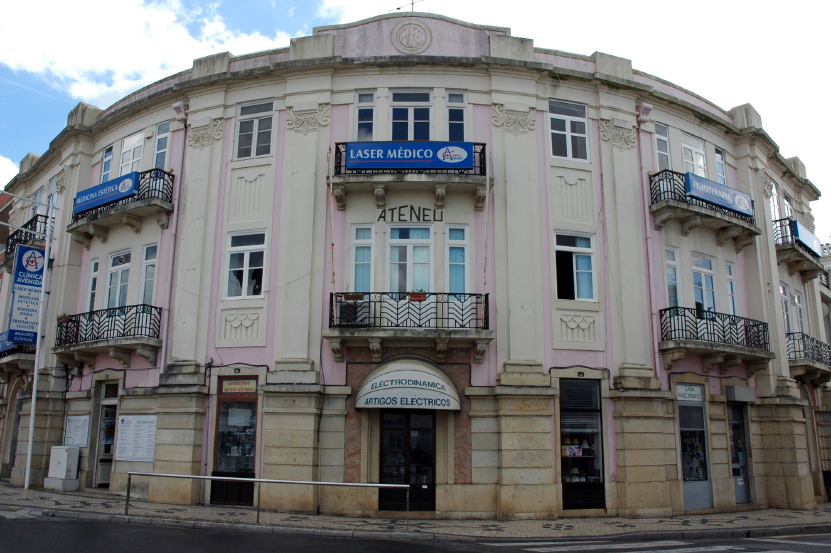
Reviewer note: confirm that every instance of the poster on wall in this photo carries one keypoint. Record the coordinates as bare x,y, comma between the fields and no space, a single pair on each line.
26,283
136,438
77,431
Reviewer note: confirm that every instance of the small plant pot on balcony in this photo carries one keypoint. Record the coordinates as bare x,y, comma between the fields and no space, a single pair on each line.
64,319
418,296
353,297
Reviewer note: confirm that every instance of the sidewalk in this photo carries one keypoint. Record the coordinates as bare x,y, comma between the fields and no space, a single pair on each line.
105,506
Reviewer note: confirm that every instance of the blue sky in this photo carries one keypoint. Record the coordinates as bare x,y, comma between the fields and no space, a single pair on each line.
731,53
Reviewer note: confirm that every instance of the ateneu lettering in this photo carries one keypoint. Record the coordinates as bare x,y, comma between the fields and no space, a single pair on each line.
411,214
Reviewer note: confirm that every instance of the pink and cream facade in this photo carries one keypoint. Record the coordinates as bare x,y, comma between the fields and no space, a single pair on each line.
611,304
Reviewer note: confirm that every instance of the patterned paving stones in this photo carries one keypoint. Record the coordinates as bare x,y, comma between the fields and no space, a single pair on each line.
112,504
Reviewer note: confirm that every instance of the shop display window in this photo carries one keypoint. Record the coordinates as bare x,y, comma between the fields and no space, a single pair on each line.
236,438
581,445
693,442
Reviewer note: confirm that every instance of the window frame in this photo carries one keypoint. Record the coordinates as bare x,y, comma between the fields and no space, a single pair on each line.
410,114
37,196
784,293
675,264
256,130
658,152
145,263
581,251
106,170
721,167
410,242
94,278
139,139
730,275
119,269
457,244
356,243
798,301
246,250
568,132
457,106
710,272
166,149
373,105
694,150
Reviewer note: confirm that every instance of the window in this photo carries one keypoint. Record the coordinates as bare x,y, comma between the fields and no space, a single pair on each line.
411,122
118,277
246,257
672,276
52,196
774,202
787,205
38,197
410,259
456,117
162,145
253,124
730,269
456,260
131,152
148,274
362,246
662,146
799,311
786,307
574,265
93,285
106,163
720,168
704,284
693,150
366,116
569,130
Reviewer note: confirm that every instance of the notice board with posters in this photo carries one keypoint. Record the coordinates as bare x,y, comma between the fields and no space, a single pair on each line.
136,440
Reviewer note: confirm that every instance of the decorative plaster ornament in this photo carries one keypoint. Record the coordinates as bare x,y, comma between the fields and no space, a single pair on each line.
307,121
622,139
515,122
411,37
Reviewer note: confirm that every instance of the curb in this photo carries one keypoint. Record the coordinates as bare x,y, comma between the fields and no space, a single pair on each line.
722,533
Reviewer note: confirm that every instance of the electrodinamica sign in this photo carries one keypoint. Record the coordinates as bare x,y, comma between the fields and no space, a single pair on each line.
715,193
806,237
408,384
409,155
110,191
27,280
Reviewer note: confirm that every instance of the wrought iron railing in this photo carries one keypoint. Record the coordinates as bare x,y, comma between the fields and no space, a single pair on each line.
823,279
803,346
670,185
783,233
685,323
479,165
154,183
19,348
409,310
35,229
130,321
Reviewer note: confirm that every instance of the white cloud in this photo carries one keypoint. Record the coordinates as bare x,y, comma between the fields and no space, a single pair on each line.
8,169
99,50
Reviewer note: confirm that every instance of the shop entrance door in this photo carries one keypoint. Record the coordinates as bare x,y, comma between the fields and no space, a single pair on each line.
408,445
694,462
106,433
15,431
738,452
236,441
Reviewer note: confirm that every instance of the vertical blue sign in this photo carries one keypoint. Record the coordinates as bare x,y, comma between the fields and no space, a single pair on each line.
27,280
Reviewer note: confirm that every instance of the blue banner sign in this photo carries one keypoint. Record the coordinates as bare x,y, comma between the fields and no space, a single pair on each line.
5,344
110,191
27,279
409,155
806,237
715,193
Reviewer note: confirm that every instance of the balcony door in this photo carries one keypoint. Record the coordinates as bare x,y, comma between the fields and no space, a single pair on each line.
410,259
117,280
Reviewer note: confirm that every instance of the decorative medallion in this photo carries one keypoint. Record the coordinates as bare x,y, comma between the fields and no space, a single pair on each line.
622,139
308,121
411,37
515,122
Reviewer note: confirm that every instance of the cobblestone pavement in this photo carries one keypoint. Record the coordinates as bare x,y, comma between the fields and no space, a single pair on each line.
113,504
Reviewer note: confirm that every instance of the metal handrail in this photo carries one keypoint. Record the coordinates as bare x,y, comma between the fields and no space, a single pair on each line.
670,185
823,279
34,228
129,321
479,164
804,346
445,311
259,481
153,183
685,323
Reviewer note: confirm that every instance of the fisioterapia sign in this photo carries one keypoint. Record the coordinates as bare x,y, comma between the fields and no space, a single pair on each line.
715,193
409,155
109,192
29,267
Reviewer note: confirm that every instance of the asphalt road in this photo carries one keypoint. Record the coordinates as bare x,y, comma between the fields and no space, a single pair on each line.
28,533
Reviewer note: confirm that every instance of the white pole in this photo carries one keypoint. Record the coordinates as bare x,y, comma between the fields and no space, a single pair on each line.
38,345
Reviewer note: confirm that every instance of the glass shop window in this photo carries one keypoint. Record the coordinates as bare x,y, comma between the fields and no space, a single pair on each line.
693,442
581,444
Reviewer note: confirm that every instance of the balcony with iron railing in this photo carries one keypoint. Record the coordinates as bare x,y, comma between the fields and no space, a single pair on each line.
154,197
671,202
415,318
437,180
793,252
118,331
809,359
16,360
722,340
32,233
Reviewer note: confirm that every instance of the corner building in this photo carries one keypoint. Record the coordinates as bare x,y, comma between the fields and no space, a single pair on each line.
612,304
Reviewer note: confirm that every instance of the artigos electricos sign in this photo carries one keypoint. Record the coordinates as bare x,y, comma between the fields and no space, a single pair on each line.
408,384
109,192
409,155
26,283
715,193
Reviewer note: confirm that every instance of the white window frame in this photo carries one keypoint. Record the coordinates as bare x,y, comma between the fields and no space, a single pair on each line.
675,264
721,167
110,270
581,251
712,273
410,242
137,143
94,269
457,106
784,293
799,311
370,242
568,133
164,150
256,117
730,273
106,156
658,152
410,115
373,105
693,149
458,244
37,209
788,210
145,263
245,267
775,212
